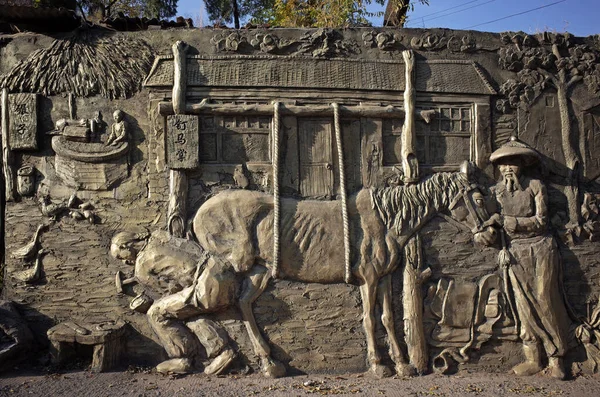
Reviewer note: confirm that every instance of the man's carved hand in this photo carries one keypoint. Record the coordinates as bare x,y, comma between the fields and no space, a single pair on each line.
495,220
487,236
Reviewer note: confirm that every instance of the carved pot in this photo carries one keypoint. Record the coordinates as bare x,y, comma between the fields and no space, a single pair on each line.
26,180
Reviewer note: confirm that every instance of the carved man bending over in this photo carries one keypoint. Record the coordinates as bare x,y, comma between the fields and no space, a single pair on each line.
532,257
192,285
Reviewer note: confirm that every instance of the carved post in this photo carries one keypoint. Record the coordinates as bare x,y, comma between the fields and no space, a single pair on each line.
7,158
412,302
410,164
178,184
179,76
72,107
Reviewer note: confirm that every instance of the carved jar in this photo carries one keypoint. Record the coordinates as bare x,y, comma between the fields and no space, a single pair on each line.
26,180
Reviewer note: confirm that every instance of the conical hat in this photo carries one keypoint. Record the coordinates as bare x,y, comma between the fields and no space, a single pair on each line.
516,148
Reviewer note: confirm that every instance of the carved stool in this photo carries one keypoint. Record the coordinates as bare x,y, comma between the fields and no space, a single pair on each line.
106,338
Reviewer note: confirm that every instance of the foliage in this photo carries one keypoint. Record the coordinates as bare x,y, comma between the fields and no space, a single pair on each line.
160,9
321,13
68,4
300,13
219,10
222,11
100,9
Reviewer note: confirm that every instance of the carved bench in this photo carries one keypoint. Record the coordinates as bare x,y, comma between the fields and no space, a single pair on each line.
106,339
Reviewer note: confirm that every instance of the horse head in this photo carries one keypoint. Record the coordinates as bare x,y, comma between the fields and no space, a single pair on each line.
468,206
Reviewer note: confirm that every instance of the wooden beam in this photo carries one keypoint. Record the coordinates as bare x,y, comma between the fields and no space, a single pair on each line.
166,108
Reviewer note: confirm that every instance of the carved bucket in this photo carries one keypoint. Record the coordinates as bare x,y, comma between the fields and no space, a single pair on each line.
26,180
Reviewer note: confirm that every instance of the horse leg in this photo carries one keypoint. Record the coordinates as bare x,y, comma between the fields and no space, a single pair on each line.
368,291
254,285
403,368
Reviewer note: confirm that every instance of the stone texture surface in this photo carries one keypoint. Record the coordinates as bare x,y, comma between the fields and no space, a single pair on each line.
312,328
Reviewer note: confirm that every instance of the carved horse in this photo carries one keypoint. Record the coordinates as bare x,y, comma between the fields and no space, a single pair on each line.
237,225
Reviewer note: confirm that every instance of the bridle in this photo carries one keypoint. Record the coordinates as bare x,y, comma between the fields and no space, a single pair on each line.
464,194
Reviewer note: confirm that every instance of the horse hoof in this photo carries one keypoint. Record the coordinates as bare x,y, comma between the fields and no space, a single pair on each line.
405,370
380,371
273,369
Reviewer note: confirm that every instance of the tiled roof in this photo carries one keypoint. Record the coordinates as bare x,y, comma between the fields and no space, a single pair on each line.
442,76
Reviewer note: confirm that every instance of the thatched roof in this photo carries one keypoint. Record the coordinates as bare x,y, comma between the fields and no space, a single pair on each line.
84,65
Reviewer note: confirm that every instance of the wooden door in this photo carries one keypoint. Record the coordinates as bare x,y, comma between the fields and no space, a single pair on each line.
316,157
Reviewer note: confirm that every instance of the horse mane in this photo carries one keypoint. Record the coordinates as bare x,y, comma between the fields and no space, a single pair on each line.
403,208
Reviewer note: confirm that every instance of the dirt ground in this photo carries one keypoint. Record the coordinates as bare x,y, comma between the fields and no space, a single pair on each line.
145,383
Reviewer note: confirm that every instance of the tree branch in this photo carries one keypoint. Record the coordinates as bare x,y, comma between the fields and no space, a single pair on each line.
549,77
395,12
555,51
107,12
82,12
574,80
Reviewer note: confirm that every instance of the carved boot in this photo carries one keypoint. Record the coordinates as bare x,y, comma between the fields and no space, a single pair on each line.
220,363
557,370
272,368
175,366
532,364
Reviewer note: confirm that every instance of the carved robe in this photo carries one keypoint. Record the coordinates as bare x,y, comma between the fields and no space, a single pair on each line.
534,270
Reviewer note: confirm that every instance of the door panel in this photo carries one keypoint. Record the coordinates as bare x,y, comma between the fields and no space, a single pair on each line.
316,157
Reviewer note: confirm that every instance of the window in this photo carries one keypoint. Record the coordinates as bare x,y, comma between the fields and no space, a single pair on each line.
446,141
235,139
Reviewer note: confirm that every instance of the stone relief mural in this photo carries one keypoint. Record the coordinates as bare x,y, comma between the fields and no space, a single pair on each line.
301,201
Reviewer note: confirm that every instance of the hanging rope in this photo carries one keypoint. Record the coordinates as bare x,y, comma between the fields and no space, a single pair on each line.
340,150
276,202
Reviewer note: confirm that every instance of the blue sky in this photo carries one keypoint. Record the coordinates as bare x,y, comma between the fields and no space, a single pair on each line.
580,17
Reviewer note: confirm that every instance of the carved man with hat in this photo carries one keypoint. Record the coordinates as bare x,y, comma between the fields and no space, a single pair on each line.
531,258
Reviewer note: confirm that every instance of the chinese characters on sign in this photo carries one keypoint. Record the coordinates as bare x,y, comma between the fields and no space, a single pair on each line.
182,141
23,121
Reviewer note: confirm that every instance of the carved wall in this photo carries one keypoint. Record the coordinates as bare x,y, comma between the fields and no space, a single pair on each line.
473,92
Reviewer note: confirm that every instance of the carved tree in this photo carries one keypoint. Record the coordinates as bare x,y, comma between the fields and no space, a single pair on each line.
551,61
